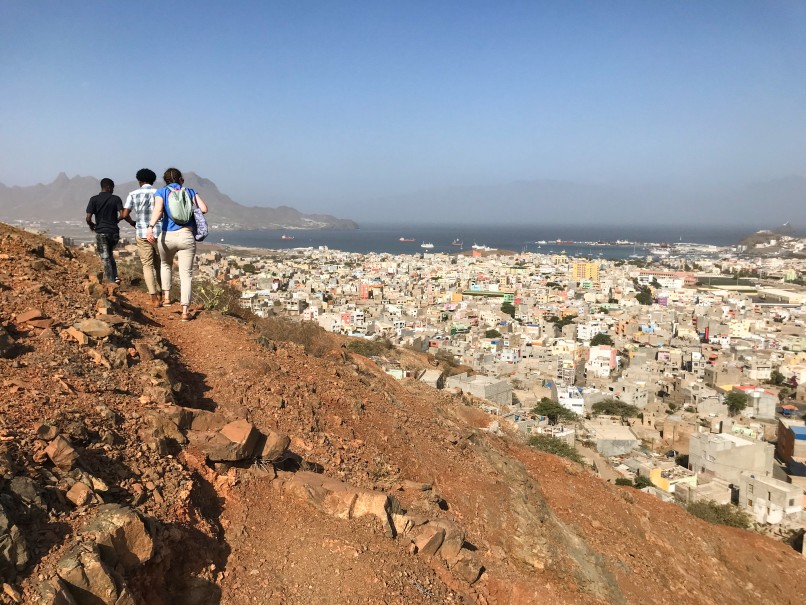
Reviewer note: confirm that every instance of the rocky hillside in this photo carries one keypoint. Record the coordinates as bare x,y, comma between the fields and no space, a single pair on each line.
65,199
148,461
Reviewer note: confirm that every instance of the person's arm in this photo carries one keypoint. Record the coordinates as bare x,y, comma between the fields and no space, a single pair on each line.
156,213
89,221
119,206
124,216
201,204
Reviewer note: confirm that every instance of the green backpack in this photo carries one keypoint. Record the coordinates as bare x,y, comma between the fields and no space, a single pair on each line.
180,206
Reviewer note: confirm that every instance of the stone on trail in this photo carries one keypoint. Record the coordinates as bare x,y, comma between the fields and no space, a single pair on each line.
274,446
12,593
46,431
121,535
454,539
235,441
6,343
467,567
429,539
94,328
76,335
28,315
61,453
414,486
80,494
207,421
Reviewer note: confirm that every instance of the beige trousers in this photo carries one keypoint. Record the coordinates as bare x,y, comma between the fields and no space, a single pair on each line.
148,254
182,245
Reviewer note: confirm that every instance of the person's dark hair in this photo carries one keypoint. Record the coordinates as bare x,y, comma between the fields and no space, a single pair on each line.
144,175
107,184
172,175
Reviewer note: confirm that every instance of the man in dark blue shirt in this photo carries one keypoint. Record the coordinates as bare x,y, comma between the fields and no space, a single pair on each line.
106,207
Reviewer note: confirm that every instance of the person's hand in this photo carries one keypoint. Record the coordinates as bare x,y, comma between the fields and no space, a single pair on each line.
150,234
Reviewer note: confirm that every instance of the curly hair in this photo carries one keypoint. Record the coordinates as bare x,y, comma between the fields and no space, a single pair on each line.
144,175
172,175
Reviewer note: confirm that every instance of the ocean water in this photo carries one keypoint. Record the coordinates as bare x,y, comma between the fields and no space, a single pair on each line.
385,238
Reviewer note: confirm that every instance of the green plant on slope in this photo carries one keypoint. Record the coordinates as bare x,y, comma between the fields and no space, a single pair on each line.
553,445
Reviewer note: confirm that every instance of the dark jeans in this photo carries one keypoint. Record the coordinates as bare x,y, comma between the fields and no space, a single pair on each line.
104,244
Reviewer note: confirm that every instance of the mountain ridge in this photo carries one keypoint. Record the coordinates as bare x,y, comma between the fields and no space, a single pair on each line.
65,198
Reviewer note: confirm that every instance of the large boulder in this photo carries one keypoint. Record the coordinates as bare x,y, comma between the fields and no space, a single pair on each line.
90,581
13,548
124,541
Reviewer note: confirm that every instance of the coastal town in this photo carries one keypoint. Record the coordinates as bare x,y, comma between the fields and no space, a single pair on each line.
684,372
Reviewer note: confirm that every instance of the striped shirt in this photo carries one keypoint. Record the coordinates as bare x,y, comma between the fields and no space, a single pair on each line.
140,203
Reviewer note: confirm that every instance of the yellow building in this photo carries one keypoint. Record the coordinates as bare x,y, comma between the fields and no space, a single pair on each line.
584,270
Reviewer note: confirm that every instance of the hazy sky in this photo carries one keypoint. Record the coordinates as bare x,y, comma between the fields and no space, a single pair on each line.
320,104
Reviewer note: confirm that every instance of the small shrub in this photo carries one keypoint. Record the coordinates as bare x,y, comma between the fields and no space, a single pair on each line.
624,481
641,482
215,296
719,514
310,335
553,445
369,348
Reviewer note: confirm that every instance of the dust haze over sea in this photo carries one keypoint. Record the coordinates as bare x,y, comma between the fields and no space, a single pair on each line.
386,238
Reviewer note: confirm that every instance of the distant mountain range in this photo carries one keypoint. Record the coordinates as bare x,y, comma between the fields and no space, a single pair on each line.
66,199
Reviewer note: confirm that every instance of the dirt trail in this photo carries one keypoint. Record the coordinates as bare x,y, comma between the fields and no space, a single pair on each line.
278,552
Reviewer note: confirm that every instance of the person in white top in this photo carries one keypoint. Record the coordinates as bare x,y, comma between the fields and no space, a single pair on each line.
140,202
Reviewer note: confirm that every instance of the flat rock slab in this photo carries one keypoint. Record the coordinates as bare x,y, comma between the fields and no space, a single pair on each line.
339,499
28,315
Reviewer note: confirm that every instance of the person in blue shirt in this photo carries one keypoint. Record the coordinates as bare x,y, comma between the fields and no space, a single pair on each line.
175,240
